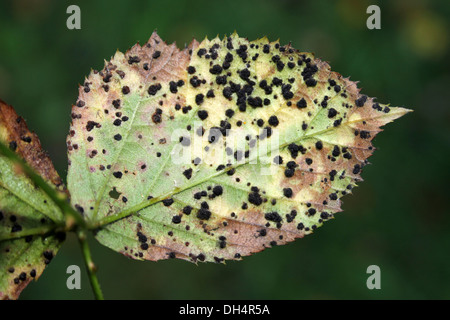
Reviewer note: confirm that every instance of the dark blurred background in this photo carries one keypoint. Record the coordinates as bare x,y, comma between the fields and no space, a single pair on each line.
397,219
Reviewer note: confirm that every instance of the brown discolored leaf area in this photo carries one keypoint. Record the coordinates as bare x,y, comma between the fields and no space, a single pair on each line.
14,131
28,217
306,134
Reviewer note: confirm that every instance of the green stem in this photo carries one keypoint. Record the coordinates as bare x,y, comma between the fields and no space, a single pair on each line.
90,266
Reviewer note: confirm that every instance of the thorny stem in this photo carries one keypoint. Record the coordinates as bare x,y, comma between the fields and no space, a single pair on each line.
90,266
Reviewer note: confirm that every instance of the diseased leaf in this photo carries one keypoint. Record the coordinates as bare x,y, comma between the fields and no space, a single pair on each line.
27,215
216,151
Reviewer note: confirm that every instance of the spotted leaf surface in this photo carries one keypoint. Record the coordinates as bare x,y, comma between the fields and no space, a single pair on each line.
216,151
28,216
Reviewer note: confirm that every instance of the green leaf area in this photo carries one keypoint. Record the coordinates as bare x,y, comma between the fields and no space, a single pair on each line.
216,151
29,219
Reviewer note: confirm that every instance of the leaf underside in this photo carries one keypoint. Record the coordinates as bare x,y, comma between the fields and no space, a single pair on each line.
228,199
28,216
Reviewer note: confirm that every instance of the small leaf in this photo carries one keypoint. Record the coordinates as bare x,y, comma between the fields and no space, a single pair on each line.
28,217
273,140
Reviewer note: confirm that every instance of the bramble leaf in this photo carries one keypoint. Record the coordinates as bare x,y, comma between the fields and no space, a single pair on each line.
216,151
28,216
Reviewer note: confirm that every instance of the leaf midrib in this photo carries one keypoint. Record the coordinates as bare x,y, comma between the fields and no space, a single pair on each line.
112,218
152,201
